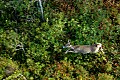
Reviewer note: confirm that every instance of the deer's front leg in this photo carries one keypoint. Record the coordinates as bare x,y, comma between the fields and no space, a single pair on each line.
68,51
101,49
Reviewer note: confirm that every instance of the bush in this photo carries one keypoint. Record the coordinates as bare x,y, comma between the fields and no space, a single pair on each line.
32,47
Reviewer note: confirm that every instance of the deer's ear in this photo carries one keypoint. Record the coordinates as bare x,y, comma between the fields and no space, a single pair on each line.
69,41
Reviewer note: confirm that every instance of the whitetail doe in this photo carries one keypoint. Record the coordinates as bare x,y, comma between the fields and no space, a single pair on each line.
83,48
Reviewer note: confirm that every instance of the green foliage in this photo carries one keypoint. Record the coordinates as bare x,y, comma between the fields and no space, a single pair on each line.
31,48
104,76
9,69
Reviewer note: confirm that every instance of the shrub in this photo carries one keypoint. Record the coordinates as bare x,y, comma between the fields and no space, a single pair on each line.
35,46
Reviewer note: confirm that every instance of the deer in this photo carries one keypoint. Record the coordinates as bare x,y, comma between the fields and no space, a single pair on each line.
84,49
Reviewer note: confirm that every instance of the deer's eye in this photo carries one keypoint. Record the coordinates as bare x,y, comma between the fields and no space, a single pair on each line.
96,45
